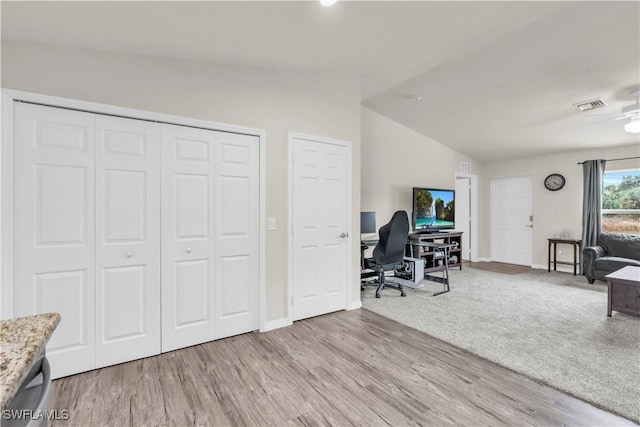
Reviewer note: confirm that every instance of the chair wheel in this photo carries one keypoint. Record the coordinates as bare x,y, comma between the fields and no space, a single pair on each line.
361,288
377,295
403,294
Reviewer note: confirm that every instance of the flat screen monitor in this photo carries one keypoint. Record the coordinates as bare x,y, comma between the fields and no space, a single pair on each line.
367,222
433,209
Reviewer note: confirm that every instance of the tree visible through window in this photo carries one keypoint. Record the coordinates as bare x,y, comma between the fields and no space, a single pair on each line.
621,201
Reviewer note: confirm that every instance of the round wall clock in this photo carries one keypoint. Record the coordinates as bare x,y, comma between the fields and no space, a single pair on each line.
554,182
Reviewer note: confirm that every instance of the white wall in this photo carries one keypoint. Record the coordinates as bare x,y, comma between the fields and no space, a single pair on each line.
553,211
395,159
275,101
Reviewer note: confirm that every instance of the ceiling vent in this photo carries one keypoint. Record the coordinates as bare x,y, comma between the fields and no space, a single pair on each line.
592,104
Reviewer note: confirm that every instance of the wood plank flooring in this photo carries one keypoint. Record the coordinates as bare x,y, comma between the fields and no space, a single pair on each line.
346,368
498,267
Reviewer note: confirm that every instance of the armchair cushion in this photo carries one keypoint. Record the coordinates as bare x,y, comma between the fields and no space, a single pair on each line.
613,263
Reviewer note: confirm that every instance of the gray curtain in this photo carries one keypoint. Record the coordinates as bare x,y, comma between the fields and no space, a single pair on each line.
593,170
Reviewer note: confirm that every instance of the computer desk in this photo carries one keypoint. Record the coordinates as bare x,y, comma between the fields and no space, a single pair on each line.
444,249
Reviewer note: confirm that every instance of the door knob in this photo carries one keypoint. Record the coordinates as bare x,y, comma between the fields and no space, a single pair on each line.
189,250
344,235
129,254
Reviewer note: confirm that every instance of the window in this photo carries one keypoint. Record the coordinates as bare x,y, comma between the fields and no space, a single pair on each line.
621,201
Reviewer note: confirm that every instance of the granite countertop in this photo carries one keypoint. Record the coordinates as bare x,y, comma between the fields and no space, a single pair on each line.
21,340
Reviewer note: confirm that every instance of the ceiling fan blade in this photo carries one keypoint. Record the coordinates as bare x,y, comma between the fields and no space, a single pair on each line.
606,115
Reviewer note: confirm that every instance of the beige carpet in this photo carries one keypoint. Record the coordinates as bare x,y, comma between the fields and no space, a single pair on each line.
551,327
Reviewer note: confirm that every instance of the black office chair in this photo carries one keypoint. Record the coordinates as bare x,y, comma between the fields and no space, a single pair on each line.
389,252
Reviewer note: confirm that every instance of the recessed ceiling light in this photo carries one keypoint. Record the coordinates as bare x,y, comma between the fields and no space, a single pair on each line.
328,2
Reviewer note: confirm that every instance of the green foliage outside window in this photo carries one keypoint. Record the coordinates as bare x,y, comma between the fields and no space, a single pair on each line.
622,193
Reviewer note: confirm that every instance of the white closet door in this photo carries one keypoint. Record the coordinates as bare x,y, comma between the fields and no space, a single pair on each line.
237,198
127,239
187,237
54,228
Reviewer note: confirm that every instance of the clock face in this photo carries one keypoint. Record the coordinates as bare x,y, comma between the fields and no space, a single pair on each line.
554,182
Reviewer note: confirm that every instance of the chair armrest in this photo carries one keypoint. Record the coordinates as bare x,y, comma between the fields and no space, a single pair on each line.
591,254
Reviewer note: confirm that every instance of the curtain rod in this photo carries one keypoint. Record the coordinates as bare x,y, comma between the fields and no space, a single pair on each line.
614,160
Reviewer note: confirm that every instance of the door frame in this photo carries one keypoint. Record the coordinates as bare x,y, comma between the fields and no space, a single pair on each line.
473,214
323,140
491,202
6,177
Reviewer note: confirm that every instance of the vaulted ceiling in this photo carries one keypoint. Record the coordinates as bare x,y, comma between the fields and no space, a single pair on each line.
497,80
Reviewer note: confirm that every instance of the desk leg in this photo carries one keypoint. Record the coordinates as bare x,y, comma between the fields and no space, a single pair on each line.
555,256
575,254
446,270
549,258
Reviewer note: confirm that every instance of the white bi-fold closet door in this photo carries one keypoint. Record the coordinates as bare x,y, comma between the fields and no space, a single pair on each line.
208,236
144,236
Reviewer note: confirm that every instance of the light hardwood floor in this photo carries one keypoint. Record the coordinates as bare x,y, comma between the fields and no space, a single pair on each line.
346,368
498,267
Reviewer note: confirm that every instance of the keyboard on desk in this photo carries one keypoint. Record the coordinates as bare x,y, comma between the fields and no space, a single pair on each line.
369,242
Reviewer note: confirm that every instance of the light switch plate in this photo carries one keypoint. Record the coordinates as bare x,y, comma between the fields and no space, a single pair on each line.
271,223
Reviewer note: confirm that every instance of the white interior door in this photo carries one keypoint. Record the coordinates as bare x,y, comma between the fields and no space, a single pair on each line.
187,236
463,213
54,228
320,225
511,220
237,214
127,239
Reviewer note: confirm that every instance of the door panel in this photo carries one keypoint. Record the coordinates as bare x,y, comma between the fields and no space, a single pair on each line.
53,250
187,237
237,240
124,293
320,216
127,239
192,292
73,285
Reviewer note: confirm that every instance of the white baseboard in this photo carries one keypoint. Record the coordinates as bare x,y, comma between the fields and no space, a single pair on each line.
270,325
481,259
354,305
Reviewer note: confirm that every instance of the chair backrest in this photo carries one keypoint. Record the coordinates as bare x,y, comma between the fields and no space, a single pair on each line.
393,240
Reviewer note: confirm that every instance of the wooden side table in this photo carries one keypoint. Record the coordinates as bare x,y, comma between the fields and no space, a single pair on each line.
576,260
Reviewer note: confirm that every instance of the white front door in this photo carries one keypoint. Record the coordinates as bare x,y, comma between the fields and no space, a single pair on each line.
53,252
511,220
320,179
187,237
127,239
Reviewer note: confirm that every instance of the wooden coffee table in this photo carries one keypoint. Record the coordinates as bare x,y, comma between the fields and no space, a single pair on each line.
624,291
